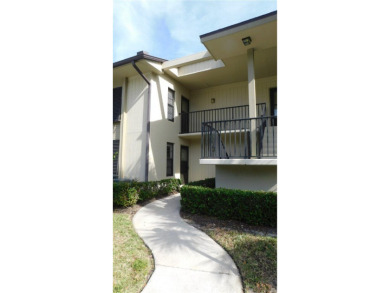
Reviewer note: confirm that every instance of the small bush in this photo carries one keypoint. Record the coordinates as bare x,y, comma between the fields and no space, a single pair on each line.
169,185
208,182
151,189
147,190
144,190
124,195
252,207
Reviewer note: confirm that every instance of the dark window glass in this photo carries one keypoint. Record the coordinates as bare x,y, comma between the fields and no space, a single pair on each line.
117,103
169,159
171,102
185,108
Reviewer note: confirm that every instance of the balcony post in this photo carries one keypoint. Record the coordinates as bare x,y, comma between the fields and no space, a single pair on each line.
252,100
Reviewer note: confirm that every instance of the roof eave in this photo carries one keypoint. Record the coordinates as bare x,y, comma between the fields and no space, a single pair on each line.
137,57
227,30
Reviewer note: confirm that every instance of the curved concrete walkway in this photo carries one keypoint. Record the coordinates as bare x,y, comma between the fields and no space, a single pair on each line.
186,259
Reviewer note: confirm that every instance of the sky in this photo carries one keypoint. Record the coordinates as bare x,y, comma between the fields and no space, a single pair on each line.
170,29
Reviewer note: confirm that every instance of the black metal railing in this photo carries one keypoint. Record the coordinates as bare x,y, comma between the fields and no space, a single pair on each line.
192,122
228,139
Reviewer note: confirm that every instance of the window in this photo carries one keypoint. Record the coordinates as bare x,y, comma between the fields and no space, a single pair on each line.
169,159
171,101
117,101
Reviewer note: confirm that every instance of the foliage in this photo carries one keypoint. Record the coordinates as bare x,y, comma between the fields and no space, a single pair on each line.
147,190
208,182
151,189
124,194
252,207
143,190
115,155
169,185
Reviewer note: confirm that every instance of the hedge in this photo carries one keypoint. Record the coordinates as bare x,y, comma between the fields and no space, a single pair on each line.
208,182
124,194
169,185
123,191
146,190
252,207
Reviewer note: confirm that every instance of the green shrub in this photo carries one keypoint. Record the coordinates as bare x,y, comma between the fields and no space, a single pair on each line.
127,193
151,189
147,190
208,182
252,207
124,195
169,185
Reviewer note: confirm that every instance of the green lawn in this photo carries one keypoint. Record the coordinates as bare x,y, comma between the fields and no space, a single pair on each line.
133,262
254,255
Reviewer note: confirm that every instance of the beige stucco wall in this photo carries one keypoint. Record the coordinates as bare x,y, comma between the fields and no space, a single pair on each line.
233,94
246,177
134,136
162,130
197,171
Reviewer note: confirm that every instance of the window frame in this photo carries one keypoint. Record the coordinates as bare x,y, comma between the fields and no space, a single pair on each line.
171,106
168,173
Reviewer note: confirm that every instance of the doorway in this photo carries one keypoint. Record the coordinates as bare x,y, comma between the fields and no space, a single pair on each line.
274,105
185,109
184,157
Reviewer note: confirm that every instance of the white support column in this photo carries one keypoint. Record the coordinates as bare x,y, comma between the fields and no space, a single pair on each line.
121,156
252,98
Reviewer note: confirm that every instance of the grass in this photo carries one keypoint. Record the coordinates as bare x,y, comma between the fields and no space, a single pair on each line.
254,255
133,262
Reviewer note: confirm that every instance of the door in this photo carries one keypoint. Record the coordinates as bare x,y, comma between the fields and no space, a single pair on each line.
184,156
274,107
185,109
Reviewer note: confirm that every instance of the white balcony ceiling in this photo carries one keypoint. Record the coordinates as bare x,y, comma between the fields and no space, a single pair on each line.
235,70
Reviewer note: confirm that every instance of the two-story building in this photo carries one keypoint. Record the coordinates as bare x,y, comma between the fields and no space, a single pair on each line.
210,114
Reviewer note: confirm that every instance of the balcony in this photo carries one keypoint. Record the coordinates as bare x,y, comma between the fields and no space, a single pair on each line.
191,122
231,139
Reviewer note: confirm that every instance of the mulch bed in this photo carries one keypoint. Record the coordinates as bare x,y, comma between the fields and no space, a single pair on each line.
209,223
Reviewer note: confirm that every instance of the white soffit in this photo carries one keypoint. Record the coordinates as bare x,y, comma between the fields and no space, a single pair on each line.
192,64
121,72
154,66
235,70
228,43
186,60
199,67
238,28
